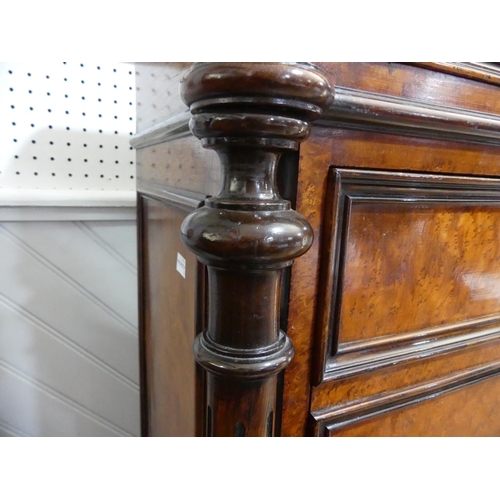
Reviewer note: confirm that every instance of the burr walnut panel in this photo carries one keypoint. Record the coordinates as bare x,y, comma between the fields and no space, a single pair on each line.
453,254
463,404
411,263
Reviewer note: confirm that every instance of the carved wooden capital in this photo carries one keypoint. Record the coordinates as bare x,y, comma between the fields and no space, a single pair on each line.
249,113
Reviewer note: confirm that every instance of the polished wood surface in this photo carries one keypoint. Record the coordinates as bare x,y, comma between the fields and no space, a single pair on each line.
394,310
171,405
465,404
247,234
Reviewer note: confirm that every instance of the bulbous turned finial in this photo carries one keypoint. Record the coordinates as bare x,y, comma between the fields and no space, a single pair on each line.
267,104
249,113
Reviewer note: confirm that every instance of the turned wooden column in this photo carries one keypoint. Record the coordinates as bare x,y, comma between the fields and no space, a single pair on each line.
246,235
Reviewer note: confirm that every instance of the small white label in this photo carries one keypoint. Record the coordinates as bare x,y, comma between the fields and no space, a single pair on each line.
181,265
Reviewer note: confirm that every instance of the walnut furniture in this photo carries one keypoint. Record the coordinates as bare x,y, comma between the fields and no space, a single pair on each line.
319,249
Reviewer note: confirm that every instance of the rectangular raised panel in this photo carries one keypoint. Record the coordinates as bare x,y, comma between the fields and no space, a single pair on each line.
463,404
411,267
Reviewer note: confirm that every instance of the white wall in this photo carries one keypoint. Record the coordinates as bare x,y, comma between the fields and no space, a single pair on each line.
68,280
68,329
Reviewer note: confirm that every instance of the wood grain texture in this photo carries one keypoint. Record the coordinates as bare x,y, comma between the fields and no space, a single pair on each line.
415,84
475,392
247,234
169,308
482,72
363,110
339,147
397,376
417,313
377,232
396,282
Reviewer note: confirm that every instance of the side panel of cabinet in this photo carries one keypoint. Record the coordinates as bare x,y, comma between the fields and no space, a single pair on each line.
171,314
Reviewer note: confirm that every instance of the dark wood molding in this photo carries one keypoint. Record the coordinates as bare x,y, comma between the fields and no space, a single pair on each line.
326,421
481,72
247,234
346,187
396,351
359,109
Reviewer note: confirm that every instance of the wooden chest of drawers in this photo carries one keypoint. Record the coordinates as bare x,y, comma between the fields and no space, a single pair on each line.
388,321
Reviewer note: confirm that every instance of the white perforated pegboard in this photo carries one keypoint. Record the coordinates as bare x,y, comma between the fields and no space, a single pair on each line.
67,126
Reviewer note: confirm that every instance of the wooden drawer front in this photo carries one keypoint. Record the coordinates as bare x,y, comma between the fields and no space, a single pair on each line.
463,404
411,268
